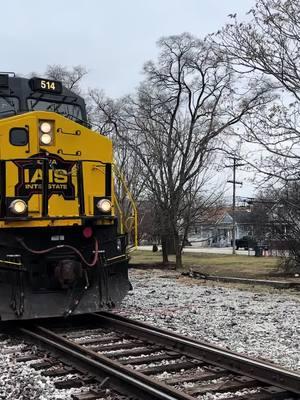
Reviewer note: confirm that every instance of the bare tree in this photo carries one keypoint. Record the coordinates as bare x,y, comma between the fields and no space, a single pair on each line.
279,212
188,99
71,78
125,158
269,42
267,46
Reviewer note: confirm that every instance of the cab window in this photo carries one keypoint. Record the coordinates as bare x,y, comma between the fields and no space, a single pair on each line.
71,111
9,106
18,137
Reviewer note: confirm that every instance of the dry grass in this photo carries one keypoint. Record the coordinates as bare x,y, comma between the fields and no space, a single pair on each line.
218,264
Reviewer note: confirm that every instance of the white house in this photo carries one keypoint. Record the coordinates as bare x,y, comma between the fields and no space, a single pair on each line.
216,229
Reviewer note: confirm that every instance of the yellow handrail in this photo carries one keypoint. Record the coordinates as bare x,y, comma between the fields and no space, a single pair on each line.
132,202
121,215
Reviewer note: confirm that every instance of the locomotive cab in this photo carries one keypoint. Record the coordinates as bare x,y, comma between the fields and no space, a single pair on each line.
61,247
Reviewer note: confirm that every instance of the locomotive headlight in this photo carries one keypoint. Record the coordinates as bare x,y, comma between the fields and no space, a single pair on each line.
45,138
104,205
46,127
18,206
46,132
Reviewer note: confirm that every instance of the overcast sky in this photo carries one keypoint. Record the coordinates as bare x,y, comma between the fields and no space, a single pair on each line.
112,39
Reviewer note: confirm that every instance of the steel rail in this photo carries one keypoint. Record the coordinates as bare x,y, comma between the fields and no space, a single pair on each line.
152,388
262,371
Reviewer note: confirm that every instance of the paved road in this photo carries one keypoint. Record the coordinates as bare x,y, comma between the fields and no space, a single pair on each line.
214,250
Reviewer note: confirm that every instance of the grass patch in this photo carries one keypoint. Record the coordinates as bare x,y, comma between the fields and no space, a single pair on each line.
217,264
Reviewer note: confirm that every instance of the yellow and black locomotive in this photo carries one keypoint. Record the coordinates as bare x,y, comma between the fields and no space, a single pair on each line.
61,247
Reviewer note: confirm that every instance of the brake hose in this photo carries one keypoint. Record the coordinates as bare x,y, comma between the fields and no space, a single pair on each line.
66,246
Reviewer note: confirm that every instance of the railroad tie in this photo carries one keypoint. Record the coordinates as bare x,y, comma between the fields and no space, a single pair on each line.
170,367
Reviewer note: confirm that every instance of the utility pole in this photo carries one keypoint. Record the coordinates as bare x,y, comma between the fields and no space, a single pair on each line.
234,183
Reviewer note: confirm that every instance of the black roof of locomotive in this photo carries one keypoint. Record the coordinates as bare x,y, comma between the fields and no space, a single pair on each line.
20,88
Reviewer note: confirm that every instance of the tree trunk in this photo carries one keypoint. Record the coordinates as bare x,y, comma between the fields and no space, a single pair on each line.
164,246
171,249
178,251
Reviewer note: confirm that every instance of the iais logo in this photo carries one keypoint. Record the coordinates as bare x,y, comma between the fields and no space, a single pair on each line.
59,176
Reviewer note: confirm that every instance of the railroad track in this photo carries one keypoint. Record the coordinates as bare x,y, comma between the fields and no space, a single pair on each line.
136,360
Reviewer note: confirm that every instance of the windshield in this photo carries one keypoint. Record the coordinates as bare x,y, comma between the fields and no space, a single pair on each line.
9,105
71,111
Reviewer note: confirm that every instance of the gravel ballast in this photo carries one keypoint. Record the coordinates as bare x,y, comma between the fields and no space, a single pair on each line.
263,324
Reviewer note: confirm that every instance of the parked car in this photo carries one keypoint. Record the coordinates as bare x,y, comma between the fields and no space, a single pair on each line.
246,242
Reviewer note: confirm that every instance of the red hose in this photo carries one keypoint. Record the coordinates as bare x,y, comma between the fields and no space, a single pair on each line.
67,246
